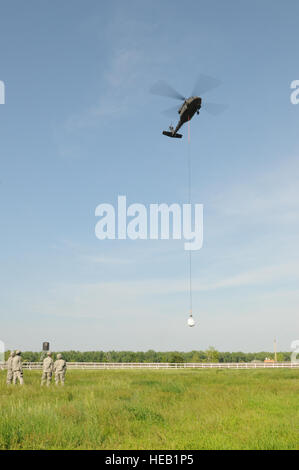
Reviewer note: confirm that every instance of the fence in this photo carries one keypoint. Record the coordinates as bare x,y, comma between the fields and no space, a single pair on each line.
167,365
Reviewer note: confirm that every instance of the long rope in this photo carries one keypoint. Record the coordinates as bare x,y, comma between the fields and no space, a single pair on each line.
189,200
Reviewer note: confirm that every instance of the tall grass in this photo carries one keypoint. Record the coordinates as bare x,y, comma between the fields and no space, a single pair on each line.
193,409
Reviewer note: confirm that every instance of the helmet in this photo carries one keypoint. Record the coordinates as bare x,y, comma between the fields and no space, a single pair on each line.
59,356
12,353
49,353
18,352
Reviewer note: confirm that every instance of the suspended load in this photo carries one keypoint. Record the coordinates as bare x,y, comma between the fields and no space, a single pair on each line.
191,321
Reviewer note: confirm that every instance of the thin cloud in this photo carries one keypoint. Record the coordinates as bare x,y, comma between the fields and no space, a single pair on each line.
91,300
107,260
273,195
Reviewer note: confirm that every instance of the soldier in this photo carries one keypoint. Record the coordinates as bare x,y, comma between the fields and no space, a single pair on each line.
17,368
47,369
59,369
9,376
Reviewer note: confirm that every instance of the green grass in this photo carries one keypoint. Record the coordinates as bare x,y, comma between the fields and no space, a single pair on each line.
184,409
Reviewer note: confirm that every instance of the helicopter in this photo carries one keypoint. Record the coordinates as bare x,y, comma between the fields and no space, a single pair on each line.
191,105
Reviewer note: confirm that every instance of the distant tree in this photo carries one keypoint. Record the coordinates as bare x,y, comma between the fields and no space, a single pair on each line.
196,357
176,357
225,357
212,355
150,356
280,357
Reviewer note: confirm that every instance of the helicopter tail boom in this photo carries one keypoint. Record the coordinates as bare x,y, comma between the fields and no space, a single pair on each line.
171,134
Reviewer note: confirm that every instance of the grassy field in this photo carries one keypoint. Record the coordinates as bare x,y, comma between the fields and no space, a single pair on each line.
192,409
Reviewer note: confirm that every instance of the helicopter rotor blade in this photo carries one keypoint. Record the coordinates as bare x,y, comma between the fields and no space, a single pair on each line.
163,89
214,108
171,112
203,84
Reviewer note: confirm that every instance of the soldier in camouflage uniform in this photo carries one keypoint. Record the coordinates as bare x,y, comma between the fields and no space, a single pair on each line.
17,368
9,376
47,369
59,370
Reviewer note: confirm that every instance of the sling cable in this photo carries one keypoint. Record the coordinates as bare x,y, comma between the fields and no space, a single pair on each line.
191,321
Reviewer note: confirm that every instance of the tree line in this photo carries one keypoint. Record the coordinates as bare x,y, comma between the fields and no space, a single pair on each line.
209,355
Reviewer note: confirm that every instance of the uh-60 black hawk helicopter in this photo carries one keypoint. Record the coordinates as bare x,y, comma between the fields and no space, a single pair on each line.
190,105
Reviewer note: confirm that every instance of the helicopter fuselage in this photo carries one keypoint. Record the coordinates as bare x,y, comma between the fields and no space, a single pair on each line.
190,106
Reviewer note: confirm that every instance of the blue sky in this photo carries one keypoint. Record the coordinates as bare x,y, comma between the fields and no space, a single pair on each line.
79,127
